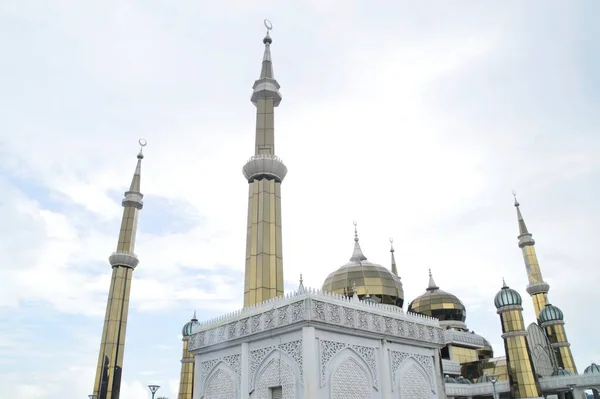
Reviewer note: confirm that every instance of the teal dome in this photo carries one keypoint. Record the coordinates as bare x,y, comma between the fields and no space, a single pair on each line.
507,297
550,313
188,328
449,380
592,369
463,380
484,378
561,372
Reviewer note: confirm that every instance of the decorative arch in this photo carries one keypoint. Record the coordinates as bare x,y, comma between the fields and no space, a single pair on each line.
220,383
277,369
542,354
350,379
340,357
413,381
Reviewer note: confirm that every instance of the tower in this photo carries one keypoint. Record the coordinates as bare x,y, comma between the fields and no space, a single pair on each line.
123,261
186,379
265,173
551,319
522,379
538,289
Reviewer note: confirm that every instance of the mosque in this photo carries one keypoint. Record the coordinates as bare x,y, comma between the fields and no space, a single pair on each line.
352,337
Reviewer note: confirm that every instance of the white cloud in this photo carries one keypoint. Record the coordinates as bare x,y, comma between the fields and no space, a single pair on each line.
415,125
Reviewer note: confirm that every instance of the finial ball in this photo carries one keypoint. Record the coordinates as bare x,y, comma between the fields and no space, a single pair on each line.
268,24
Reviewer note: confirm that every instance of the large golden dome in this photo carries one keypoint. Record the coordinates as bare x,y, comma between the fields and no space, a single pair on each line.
439,304
367,278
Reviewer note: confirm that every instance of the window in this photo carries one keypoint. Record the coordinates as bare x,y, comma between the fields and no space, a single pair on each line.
276,393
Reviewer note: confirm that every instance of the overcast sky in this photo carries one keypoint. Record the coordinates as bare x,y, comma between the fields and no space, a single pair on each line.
416,119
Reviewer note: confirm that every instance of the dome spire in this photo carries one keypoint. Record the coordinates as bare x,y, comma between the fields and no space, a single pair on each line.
394,268
194,316
357,254
266,86
301,288
432,286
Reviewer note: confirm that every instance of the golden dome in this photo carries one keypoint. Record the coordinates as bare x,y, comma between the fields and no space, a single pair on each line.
367,278
439,304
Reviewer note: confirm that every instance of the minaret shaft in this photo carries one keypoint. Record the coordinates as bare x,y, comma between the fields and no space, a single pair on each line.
264,261
107,384
264,173
523,383
265,126
186,380
534,277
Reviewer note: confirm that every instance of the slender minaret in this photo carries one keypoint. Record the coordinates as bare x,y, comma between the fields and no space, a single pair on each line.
538,289
107,384
521,376
186,379
394,268
552,321
264,173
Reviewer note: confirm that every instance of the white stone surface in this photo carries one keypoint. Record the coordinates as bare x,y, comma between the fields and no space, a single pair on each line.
318,345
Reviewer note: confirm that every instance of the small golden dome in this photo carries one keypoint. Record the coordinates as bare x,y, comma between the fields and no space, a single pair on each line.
439,304
366,278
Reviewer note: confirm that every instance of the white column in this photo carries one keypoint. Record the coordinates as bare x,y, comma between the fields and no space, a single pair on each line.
310,362
244,383
437,364
384,367
197,371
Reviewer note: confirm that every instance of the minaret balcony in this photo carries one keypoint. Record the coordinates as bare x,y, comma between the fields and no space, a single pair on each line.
123,259
526,239
538,288
266,88
265,166
134,199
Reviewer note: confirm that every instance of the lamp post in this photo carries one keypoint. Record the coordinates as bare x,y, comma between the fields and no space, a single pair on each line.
494,379
153,389
571,388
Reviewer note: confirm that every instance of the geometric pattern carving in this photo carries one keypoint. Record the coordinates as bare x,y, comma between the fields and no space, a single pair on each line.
317,306
349,380
293,349
276,373
328,349
397,359
542,354
220,386
414,384
233,361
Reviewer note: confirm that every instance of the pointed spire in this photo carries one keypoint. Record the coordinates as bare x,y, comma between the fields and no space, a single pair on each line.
194,317
137,175
357,254
354,291
522,227
266,86
394,268
301,289
432,286
504,283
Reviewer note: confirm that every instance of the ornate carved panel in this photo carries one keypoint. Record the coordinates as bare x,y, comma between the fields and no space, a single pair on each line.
350,380
328,349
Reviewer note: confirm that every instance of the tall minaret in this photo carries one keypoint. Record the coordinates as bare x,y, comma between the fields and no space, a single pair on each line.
264,172
123,261
394,268
186,378
537,287
521,373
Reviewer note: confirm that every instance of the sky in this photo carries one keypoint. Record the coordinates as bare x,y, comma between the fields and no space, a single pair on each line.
416,119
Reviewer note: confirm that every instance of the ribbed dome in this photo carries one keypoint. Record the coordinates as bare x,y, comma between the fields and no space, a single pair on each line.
439,304
507,297
188,328
487,352
550,313
592,369
561,372
449,380
463,380
367,278
484,378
